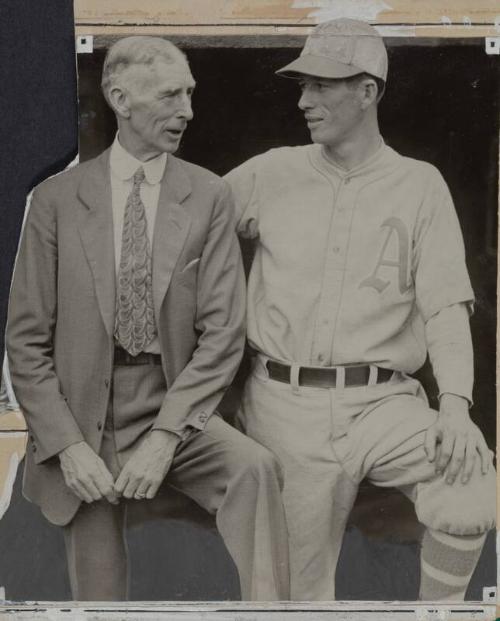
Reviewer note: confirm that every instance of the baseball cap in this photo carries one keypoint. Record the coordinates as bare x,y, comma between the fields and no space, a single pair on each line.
340,48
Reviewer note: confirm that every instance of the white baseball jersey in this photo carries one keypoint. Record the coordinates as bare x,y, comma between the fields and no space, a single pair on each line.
350,264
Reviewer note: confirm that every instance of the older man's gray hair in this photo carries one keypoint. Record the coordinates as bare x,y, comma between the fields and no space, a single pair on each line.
136,51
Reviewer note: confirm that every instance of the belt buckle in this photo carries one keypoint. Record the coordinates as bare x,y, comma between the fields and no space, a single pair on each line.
319,377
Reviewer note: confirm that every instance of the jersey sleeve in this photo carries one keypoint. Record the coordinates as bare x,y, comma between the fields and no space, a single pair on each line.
440,271
243,182
449,343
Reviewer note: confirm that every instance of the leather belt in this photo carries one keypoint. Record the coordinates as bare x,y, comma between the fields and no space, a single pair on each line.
123,358
326,377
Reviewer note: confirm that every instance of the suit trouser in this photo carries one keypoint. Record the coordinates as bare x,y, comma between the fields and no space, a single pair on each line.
225,472
329,440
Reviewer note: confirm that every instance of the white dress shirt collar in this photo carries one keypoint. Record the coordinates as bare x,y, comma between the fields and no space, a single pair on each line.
124,165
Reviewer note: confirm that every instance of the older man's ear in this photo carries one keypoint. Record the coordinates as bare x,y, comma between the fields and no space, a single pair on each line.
119,101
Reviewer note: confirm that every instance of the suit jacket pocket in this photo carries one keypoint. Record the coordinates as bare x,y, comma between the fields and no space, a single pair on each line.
188,275
191,265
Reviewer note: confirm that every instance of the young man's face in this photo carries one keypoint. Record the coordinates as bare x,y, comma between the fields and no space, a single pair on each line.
159,105
331,108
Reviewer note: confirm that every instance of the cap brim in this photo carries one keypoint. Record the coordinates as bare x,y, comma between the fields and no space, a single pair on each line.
317,66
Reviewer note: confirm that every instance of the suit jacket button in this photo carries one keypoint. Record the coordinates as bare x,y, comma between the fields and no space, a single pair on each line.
106,383
99,425
34,448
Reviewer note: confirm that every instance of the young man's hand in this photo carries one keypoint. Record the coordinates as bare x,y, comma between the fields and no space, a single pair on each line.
454,442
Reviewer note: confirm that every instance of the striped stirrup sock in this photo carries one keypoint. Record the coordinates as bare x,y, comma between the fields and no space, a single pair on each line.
447,563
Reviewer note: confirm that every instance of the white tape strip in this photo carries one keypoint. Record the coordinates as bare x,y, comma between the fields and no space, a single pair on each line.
8,486
489,595
84,44
432,614
333,9
492,45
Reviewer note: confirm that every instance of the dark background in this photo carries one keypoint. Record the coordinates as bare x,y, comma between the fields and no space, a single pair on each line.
441,105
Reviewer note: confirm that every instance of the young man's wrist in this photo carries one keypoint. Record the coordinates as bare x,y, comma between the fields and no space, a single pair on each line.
453,401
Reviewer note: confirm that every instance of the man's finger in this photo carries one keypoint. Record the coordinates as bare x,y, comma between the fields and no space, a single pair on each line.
76,486
133,482
81,491
152,490
142,489
457,459
484,454
105,484
470,460
91,488
131,487
430,443
121,481
445,452
108,491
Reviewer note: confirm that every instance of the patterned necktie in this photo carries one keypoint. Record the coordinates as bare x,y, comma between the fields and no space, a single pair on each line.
134,317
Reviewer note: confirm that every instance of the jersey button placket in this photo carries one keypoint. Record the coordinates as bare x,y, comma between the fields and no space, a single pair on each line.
339,247
327,303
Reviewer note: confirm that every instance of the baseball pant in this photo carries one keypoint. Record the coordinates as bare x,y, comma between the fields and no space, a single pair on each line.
329,440
225,472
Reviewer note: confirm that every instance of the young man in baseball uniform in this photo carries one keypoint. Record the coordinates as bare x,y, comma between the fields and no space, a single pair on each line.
359,273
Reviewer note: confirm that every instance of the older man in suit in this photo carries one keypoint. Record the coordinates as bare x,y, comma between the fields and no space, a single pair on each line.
125,327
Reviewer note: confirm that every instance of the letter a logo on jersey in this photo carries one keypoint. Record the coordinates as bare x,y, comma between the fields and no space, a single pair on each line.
396,226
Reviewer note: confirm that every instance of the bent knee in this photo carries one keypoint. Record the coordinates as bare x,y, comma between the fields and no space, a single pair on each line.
458,509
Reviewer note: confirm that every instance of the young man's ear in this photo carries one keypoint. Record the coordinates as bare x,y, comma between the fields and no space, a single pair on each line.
369,89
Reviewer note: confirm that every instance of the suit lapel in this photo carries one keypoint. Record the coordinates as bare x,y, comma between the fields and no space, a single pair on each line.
96,231
171,228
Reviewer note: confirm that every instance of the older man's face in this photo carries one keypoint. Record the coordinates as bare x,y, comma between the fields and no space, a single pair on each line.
159,104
